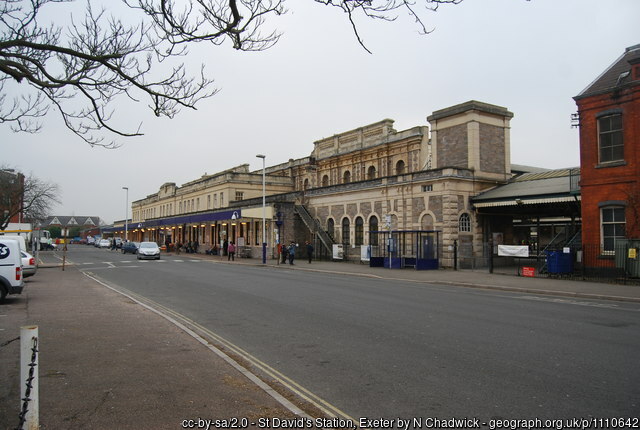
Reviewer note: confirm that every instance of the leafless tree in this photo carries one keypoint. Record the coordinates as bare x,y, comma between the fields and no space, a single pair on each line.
28,196
81,67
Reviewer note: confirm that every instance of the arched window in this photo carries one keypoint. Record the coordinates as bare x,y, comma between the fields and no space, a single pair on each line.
345,231
373,226
359,231
346,177
331,228
427,222
400,167
464,224
371,172
305,186
325,181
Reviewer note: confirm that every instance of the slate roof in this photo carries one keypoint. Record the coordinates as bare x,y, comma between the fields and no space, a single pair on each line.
616,76
536,187
74,220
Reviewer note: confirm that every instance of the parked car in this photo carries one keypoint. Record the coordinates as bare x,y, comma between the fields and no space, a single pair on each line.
130,247
149,250
29,266
11,280
104,243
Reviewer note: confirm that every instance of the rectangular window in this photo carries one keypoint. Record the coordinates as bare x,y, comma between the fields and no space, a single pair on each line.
610,138
239,195
221,200
427,188
613,228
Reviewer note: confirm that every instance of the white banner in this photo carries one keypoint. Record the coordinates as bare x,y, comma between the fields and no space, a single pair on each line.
513,251
365,253
338,252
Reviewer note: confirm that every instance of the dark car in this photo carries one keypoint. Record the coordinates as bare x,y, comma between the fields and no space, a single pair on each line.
131,247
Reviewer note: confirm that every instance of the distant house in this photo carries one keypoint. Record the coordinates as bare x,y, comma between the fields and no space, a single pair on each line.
72,221
609,114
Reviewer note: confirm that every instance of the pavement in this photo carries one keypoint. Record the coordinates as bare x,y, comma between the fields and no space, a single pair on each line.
108,362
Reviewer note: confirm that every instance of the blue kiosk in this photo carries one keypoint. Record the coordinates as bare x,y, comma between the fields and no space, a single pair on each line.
398,249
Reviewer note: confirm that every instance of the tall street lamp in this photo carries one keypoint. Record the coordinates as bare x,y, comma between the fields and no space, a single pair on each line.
264,212
126,211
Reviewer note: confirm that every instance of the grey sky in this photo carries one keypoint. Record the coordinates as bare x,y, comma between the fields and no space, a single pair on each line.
530,57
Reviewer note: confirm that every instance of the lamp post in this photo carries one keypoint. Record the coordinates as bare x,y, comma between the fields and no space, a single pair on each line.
126,211
264,212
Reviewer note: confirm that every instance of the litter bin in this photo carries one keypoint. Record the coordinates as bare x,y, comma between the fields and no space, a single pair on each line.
559,262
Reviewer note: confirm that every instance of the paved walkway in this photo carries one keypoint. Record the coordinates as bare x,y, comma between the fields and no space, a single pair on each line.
107,362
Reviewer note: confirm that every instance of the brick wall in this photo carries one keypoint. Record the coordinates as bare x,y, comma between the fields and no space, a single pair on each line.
603,182
492,148
453,146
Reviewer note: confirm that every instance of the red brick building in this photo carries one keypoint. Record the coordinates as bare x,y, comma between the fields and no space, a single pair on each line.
11,197
609,113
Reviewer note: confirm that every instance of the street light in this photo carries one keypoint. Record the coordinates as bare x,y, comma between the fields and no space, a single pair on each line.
126,211
264,212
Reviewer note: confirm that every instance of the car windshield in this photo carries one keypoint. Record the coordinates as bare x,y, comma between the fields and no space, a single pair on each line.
148,245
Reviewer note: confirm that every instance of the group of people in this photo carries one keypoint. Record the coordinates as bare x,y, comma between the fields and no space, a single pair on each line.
289,252
188,247
229,249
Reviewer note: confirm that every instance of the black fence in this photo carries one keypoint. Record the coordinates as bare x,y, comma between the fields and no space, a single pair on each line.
621,264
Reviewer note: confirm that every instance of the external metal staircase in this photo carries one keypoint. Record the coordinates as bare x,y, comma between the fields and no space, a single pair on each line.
315,227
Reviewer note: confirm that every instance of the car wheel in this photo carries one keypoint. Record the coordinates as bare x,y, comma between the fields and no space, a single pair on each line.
3,293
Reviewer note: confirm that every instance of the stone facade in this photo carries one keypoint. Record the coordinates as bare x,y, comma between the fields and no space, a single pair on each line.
358,179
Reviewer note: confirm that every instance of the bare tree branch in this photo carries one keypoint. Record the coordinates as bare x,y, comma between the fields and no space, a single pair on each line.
83,67
28,196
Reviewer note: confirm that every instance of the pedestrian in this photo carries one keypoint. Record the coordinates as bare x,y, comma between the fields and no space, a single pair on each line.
178,246
285,253
225,247
309,251
231,250
292,252
196,244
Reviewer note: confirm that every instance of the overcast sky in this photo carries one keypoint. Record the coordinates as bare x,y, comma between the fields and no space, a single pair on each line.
531,57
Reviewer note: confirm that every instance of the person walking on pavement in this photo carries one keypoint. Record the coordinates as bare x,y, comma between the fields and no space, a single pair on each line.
309,251
285,253
292,252
231,250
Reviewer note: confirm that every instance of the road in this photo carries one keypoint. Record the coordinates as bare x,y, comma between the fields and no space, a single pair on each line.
375,348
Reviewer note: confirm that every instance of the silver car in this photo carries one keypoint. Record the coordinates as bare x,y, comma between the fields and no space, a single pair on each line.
29,266
148,251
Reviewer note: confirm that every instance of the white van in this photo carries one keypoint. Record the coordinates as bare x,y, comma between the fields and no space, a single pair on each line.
11,279
20,239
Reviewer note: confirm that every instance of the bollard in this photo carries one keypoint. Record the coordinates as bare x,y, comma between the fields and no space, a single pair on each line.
29,405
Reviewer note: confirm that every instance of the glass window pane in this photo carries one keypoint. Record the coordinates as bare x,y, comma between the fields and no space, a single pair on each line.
607,215
618,214
608,244
616,122
608,230
617,153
